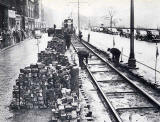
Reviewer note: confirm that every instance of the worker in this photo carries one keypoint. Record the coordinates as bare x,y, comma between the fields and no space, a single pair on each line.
67,38
83,54
115,54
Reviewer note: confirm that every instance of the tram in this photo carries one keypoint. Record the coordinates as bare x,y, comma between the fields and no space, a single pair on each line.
68,26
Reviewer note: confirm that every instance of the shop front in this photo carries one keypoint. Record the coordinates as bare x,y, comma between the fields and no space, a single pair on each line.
12,21
31,23
37,23
26,23
18,22
3,24
11,26
3,17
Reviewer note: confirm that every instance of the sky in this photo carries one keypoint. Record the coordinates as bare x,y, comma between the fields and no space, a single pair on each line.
147,12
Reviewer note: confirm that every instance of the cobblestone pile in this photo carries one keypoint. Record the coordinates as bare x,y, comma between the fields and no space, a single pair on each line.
40,85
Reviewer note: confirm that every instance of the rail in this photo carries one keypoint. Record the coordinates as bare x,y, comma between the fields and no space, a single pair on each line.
127,79
105,98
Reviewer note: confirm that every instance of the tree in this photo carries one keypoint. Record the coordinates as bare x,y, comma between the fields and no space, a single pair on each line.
111,13
111,16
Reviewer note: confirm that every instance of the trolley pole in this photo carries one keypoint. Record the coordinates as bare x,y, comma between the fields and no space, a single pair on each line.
78,20
132,60
78,5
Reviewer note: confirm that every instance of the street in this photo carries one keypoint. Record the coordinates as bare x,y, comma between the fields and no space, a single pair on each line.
25,53
49,74
145,52
11,61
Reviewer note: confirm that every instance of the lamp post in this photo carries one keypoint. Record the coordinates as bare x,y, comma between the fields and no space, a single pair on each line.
132,60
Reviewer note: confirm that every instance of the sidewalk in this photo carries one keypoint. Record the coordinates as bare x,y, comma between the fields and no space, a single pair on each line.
15,44
2,50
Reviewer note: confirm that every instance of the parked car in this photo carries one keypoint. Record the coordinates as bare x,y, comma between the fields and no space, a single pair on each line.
105,29
141,35
115,31
101,29
124,33
153,35
150,36
127,33
109,31
95,29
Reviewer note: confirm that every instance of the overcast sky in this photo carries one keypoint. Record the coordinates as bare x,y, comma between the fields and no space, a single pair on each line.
147,12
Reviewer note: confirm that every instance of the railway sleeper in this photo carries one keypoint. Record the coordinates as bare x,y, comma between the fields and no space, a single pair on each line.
121,92
102,71
105,81
148,107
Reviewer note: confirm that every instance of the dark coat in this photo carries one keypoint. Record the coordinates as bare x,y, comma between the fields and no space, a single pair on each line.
115,51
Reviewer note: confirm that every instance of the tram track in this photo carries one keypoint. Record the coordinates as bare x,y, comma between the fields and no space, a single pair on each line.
120,93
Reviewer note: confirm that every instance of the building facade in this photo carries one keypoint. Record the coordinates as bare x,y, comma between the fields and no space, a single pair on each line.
20,14
4,6
18,19
39,15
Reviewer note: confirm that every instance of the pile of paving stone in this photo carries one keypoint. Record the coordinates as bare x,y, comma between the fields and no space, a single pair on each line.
66,108
40,85
57,44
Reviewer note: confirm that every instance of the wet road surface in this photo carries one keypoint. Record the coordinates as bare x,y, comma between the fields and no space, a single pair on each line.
145,52
11,60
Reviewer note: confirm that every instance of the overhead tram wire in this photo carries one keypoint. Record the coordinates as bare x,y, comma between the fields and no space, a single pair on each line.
78,6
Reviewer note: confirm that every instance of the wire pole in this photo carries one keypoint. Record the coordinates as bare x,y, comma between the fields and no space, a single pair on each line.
121,54
78,5
156,71
78,19
113,42
157,54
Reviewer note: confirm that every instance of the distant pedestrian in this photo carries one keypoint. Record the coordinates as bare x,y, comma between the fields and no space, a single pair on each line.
22,33
115,54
